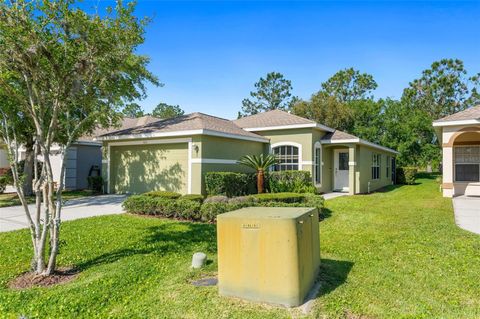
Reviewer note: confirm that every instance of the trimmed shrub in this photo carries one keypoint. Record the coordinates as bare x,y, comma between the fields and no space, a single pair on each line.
160,206
280,197
194,197
216,199
229,183
209,211
187,209
290,181
95,183
406,175
163,194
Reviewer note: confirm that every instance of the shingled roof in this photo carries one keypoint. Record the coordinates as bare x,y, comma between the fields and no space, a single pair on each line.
469,114
189,122
126,123
271,118
338,135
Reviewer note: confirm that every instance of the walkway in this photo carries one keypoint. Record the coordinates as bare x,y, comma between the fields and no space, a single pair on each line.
333,195
12,218
467,213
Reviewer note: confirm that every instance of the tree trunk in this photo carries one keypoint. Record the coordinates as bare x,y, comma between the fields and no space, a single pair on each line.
260,178
28,169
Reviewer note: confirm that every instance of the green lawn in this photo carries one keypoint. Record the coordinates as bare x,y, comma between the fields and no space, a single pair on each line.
392,254
11,199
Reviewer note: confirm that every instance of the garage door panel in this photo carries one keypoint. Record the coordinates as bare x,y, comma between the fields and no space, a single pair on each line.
142,168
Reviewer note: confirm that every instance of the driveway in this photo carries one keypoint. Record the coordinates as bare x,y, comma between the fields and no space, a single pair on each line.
12,218
467,213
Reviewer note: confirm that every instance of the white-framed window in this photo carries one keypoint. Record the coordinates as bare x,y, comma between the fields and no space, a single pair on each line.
388,166
288,157
467,163
376,160
317,164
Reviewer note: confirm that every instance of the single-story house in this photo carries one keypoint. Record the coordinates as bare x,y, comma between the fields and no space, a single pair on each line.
459,135
84,156
4,165
174,154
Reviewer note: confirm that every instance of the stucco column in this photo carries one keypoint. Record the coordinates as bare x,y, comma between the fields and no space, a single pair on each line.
447,185
352,163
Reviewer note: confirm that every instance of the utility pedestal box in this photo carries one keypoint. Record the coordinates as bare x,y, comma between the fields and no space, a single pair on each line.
268,254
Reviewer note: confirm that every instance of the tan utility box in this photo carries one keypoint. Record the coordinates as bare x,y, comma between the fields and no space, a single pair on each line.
268,254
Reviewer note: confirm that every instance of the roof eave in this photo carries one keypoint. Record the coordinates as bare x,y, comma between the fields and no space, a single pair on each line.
183,133
456,123
360,141
289,127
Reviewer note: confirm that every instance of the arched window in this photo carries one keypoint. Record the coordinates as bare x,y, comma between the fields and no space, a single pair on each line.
288,157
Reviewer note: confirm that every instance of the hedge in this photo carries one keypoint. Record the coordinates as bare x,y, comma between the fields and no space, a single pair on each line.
194,210
239,184
405,175
290,181
164,194
230,184
195,197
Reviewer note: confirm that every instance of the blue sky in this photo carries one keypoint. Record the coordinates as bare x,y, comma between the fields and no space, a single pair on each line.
209,54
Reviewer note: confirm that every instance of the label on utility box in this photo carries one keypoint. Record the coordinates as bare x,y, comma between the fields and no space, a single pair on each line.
251,226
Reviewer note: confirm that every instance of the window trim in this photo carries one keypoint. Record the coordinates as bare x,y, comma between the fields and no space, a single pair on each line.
454,162
288,143
376,163
388,168
317,146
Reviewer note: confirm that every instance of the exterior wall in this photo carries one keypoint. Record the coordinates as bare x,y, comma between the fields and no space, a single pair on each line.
451,136
87,156
4,164
364,170
218,154
200,154
143,168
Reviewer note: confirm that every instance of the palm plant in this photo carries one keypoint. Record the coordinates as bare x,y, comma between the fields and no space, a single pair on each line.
260,163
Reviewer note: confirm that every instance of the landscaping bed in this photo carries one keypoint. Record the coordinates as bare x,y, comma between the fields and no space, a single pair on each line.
197,208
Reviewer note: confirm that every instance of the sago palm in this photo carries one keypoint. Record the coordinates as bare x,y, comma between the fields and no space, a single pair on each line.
260,163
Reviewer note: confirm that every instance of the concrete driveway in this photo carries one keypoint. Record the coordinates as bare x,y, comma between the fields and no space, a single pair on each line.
12,218
467,213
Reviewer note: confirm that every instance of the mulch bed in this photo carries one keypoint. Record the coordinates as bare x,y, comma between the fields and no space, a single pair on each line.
29,279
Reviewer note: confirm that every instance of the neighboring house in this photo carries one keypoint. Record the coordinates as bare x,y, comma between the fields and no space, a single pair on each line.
3,159
174,154
459,135
84,157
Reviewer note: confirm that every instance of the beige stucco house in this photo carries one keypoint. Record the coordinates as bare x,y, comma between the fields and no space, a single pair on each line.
459,135
174,154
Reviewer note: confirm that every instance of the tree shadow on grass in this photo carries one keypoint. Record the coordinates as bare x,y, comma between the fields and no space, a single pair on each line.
161,240
333,274
325,213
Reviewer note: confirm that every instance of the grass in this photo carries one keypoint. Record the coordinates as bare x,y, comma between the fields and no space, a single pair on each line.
395,254
11,199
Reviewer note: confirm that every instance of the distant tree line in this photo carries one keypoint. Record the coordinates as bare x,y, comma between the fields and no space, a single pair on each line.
346,102
162,110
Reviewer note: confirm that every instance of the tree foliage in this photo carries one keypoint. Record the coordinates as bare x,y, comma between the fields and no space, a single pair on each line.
349,85
133,110
63,73
166,111
271,93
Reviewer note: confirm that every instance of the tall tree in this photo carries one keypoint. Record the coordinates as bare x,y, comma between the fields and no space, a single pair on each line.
443,89
133,110
271,93
349,84
166,111
68,72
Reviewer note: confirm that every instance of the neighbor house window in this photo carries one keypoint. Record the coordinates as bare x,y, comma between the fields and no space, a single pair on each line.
389,161
376,158
318,165
287,156
467,163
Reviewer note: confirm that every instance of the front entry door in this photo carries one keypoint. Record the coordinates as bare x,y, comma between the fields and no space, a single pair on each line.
341,170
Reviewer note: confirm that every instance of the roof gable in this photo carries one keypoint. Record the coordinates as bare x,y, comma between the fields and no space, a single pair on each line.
472,113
